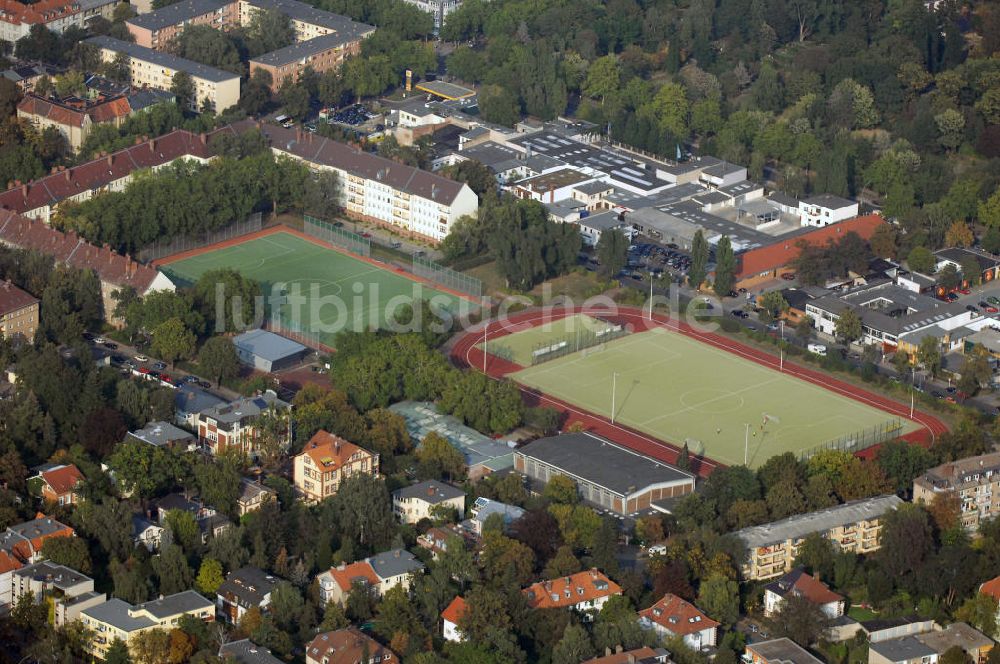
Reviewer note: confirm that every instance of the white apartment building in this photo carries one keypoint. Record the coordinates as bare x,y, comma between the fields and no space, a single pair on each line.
826,209
156,69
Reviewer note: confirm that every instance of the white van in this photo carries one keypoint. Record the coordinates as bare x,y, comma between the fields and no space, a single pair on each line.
819,349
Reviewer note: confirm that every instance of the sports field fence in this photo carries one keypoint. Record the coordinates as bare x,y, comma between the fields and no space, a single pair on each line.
324,230
177,245
279,323
859,440
578,340
446,277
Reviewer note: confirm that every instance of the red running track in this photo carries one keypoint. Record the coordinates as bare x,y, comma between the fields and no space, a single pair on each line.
465,353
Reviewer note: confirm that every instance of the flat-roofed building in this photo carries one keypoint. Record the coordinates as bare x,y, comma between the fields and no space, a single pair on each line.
904,650
19,314
214,88
69,591
974,480
778,651
606,474
854,527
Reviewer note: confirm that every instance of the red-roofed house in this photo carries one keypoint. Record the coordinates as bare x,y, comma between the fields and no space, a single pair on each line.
325,461
381,572
58,484
585,592
21,545
73,117
18,312
673,616
992,588
450,617
17,18
348,646
797,582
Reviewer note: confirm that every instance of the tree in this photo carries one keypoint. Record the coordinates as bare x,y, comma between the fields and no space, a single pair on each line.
951,126
117,653
183,88
955,655
989,210
172,569
699,260
227,300
948,277
799,619
959,235
772,305
907,540
725,267
980,611
848,326
172,340
561,489
364,508
209,576
903,462
269,30
976,371
574,646
497,104
612,252
920,259
603,78
719,597
72,552
218,360
649,529
439,459
563,563
884,241
929,354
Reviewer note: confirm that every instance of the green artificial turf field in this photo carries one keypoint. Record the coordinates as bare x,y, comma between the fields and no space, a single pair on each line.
679,390
576,331
356,295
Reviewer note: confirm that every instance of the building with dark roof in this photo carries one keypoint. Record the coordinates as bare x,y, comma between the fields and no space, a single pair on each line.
799,584
17,18
19,313
380,572
420,501
989,265
243,589
904,650
778,651
267,351
164,434
348,646
214,88
246,651
606,474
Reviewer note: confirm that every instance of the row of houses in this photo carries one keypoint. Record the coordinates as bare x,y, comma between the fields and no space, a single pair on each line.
17,18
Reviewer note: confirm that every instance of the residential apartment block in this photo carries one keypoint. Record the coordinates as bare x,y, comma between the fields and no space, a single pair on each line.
325,462
322,40
117,619
855,526
234,424
214,88
18,313
69,591
381,572
416,502
975,481
74,117
17,18
21,545
406,199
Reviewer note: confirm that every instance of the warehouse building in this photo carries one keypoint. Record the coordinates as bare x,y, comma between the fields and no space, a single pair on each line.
606,474
267,351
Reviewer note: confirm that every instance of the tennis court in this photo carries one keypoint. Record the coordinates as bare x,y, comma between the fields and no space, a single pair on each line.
324,291
537,343
679,390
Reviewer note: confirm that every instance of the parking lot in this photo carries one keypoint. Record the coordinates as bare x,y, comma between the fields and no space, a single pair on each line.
656,259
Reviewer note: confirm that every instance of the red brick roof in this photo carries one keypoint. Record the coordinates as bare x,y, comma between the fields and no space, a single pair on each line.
991,588
62,479
329,452
360,570
57,113
569,591
678,616
347,646
45,11
101,172
626,657
798,582
70,249
453,612
785,250
13,298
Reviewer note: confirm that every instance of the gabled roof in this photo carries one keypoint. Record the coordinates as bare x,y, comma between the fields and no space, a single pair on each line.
429,492
347,646
246,651
571,590
248,586
13,298
797,582
453,612
394,563
162,59
329,452
346,575
678,616
62,479
991,588
74,251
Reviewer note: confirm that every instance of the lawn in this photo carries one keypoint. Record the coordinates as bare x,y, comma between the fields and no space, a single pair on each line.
325,291
679,390
560,336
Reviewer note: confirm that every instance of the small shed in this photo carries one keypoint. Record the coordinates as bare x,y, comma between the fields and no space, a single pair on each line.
267,351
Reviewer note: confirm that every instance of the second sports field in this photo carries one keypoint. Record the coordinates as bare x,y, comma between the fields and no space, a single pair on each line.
340,292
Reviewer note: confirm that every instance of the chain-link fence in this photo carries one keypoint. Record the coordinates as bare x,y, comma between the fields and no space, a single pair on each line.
578,340
178,245
322,230
443,276
280,323
859,440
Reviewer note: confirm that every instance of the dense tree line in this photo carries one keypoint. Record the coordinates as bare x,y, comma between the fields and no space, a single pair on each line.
186,198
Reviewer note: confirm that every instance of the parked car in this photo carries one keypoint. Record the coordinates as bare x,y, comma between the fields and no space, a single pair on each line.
657,550
141,358
110,345
99,340
965,291
994,300
159,366
951,297
788,276
739,313
818,349
971,307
